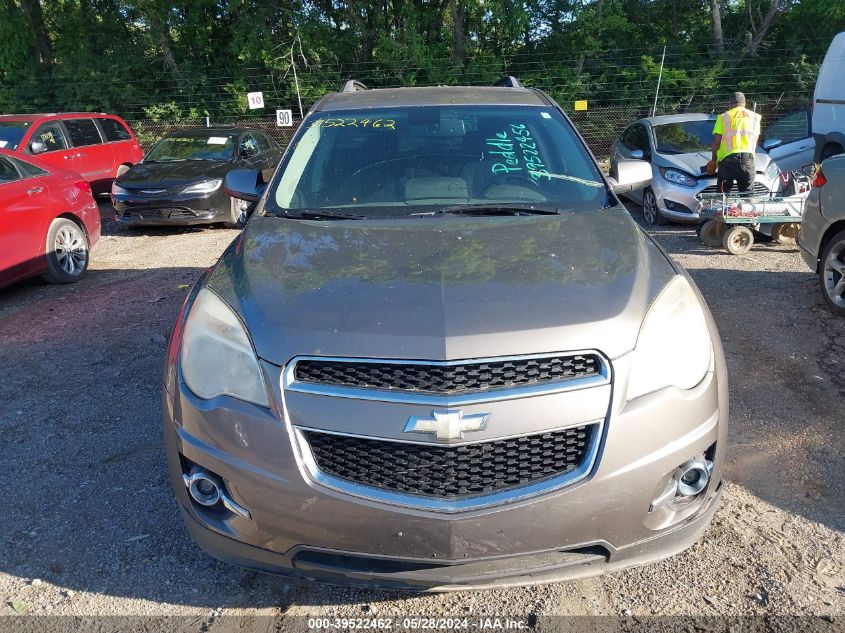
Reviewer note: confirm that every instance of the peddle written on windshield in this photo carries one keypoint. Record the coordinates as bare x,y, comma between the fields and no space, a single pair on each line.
517,152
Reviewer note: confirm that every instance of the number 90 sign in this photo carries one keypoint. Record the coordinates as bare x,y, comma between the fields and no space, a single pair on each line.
284,118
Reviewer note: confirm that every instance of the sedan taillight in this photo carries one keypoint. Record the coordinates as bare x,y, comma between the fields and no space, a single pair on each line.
82,185
819,180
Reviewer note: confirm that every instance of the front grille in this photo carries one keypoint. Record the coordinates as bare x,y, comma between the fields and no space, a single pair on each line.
451,472
163,213
154,192
448,379
758,189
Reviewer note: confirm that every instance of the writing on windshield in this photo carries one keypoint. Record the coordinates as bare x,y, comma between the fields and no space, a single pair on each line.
518,152
377,124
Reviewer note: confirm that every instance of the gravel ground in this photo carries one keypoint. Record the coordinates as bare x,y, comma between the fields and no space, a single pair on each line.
89,525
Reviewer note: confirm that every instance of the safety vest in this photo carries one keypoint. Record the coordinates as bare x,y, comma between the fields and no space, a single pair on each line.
740,129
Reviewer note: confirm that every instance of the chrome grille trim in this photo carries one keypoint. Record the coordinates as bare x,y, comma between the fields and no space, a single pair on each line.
454,505
290,383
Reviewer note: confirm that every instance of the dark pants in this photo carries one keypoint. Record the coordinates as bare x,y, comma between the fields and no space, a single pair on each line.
735,168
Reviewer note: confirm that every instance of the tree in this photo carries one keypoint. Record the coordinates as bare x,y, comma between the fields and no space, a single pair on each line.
43,47
716,15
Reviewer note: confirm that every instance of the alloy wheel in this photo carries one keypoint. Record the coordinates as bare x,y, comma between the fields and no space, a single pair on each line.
834,274
650,208
71,250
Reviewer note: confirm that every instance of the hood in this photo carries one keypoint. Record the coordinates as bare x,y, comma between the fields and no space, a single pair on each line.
173,173
693,162
449,287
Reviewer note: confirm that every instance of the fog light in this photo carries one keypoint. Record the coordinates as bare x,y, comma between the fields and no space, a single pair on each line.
688,481
207,489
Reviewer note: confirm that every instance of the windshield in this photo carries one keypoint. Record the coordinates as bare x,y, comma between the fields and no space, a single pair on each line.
684,137
194,147
408,161
11,133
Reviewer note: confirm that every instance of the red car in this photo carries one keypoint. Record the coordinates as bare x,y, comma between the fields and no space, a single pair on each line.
97,146
48,220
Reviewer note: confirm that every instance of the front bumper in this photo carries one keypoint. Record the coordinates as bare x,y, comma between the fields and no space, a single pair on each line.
602,523
179,210
680,204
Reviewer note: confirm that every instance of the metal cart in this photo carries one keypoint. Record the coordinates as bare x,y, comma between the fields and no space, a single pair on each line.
732,220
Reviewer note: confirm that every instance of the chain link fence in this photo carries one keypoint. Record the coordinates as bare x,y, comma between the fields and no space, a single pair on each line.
599,125
149,131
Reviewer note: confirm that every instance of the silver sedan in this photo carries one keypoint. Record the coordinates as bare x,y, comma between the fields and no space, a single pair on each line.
678,148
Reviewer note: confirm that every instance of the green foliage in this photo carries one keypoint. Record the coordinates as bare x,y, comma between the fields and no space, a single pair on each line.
164,60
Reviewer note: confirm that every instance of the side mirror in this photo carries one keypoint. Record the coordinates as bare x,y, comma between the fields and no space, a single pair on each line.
637,154
629,175
244,184
772,143
37,147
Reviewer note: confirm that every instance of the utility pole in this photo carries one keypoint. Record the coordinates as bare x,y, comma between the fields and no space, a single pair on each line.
295,78
659,77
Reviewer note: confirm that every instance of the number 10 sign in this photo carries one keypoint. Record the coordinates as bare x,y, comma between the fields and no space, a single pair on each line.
255,100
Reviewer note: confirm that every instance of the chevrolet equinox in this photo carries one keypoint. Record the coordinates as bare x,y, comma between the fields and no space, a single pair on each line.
442,355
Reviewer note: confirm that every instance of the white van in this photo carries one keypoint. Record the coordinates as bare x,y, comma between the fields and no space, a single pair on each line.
829,102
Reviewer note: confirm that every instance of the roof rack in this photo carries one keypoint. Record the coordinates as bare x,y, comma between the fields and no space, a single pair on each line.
353,85
508,82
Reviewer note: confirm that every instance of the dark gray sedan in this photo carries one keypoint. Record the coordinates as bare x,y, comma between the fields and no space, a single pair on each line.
180,180
442,355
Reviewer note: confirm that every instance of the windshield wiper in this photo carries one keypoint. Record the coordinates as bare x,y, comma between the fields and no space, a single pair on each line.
322,215
491,209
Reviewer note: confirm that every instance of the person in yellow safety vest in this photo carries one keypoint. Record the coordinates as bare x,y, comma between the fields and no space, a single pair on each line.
735,137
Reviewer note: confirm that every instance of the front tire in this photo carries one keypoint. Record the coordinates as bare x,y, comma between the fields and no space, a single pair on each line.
832,274
239,211
67,252
651,213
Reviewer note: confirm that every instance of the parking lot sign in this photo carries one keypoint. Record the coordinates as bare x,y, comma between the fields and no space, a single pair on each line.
255,100
284,118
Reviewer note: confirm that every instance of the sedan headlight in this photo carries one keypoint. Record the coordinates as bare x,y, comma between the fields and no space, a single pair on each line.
117,190
772,170
207,186
678,177
674,347
217,355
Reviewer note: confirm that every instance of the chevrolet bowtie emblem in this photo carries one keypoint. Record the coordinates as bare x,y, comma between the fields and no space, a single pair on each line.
448,424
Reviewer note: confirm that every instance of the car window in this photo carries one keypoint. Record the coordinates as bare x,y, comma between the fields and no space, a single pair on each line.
793,127
114,130
263,142
82,132
635,138
188,146
12,133
52,135
249,145
8,171
28,170
684,137
396,162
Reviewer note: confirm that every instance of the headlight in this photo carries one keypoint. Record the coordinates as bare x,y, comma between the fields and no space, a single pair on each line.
772,170
206,186
678,177
117,190
674,347
217,356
